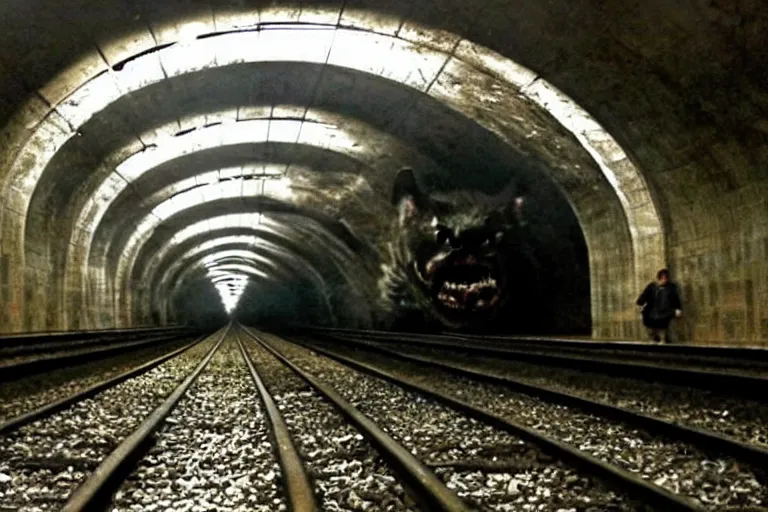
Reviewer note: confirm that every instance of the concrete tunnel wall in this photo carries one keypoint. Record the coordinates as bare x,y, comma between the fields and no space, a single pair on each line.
677,177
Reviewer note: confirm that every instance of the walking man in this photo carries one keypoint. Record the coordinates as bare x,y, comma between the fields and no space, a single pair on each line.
660,303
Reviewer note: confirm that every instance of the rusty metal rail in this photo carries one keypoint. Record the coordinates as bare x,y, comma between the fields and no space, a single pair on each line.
426,487
61,404
705,439
753,384
63,357
98,488
297,485
632,484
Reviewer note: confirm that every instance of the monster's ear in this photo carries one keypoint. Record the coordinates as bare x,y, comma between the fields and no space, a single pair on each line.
407,196
510,201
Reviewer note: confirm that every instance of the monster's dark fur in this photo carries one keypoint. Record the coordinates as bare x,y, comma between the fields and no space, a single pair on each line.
439,230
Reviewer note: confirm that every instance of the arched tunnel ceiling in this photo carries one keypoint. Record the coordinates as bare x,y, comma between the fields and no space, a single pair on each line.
271,261
435,88
168,262
235,261
329,252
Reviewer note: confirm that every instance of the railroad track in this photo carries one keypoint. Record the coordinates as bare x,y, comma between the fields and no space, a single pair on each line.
742,372
247,419
706,356
742,415
756,454
709,354
455,379
20,360
90,473
13,344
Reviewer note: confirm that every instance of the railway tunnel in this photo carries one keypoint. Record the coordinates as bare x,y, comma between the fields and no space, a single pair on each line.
382,255
143,142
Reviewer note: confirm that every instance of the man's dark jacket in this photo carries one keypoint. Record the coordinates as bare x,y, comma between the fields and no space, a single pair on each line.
660,304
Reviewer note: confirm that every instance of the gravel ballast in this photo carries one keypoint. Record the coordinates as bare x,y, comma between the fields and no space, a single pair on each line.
346,472
42,463
740,418
213,452
21,396
716,482
489,468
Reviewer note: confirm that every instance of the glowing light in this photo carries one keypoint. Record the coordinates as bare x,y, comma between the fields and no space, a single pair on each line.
241,267
213,224
231,279
212,259
230,289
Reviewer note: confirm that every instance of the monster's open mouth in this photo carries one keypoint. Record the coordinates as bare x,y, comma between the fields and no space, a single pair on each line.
466,285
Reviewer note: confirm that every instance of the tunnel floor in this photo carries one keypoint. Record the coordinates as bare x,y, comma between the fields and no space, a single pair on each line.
327,419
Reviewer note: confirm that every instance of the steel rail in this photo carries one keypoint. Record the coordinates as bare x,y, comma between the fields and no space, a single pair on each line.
752,386
16,339
97,489
633,484
708,353
426,488
58,405
737,353
707,440
37,348
298,487
27,367
754,361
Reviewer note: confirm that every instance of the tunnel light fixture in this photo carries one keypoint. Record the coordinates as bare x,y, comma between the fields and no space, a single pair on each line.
232,220
281,259
185,200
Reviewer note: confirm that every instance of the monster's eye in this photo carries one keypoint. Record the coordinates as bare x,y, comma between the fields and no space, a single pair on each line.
442,234
490,239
